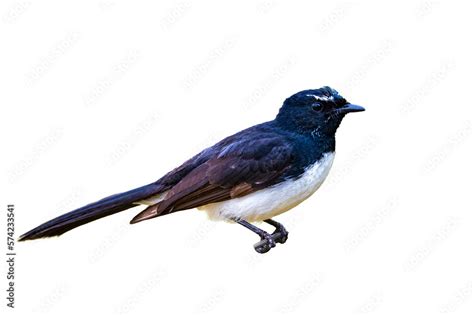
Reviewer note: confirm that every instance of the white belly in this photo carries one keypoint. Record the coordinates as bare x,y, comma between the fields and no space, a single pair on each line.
269,202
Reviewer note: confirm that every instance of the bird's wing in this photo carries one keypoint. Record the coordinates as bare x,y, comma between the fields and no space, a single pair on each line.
241,167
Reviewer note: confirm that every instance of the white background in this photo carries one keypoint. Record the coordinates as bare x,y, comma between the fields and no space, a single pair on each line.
100,97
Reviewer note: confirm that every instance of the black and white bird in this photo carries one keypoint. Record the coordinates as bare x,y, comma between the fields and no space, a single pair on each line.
253,175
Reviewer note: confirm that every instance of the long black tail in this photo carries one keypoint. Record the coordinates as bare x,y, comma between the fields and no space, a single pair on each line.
91,212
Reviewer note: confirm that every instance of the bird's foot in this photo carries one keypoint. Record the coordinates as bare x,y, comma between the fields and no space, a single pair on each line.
267,242
280,235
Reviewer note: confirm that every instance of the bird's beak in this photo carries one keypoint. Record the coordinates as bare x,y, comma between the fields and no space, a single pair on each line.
351,108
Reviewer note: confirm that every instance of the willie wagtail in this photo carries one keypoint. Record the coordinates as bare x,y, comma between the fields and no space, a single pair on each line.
253,175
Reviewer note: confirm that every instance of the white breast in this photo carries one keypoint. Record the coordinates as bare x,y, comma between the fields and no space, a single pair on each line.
272,201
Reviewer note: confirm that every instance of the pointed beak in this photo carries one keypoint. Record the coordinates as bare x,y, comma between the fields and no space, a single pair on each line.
351,108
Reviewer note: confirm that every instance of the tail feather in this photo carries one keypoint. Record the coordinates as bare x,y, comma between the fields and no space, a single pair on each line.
91,212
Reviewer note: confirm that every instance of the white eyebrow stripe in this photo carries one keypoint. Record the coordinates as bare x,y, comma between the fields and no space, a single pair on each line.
322,98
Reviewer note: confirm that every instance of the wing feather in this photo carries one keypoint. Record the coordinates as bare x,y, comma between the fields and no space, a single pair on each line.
239,169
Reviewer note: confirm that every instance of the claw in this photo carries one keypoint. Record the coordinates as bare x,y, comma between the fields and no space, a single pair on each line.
280,237
267,243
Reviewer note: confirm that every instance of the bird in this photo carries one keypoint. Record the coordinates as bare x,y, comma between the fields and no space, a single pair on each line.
251,176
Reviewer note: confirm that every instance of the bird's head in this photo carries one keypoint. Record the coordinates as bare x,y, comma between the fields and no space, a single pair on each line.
315,111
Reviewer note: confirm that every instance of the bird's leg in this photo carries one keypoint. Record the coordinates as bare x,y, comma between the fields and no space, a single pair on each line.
281,234
266,243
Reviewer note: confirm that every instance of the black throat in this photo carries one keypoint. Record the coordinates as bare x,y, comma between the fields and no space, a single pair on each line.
319,136
310,146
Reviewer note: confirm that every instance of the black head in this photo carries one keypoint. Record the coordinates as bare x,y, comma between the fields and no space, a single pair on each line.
317,111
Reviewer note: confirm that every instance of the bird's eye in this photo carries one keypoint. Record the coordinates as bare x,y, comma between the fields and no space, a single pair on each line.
317,107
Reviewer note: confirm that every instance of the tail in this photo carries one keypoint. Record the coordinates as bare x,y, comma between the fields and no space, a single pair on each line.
102,208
